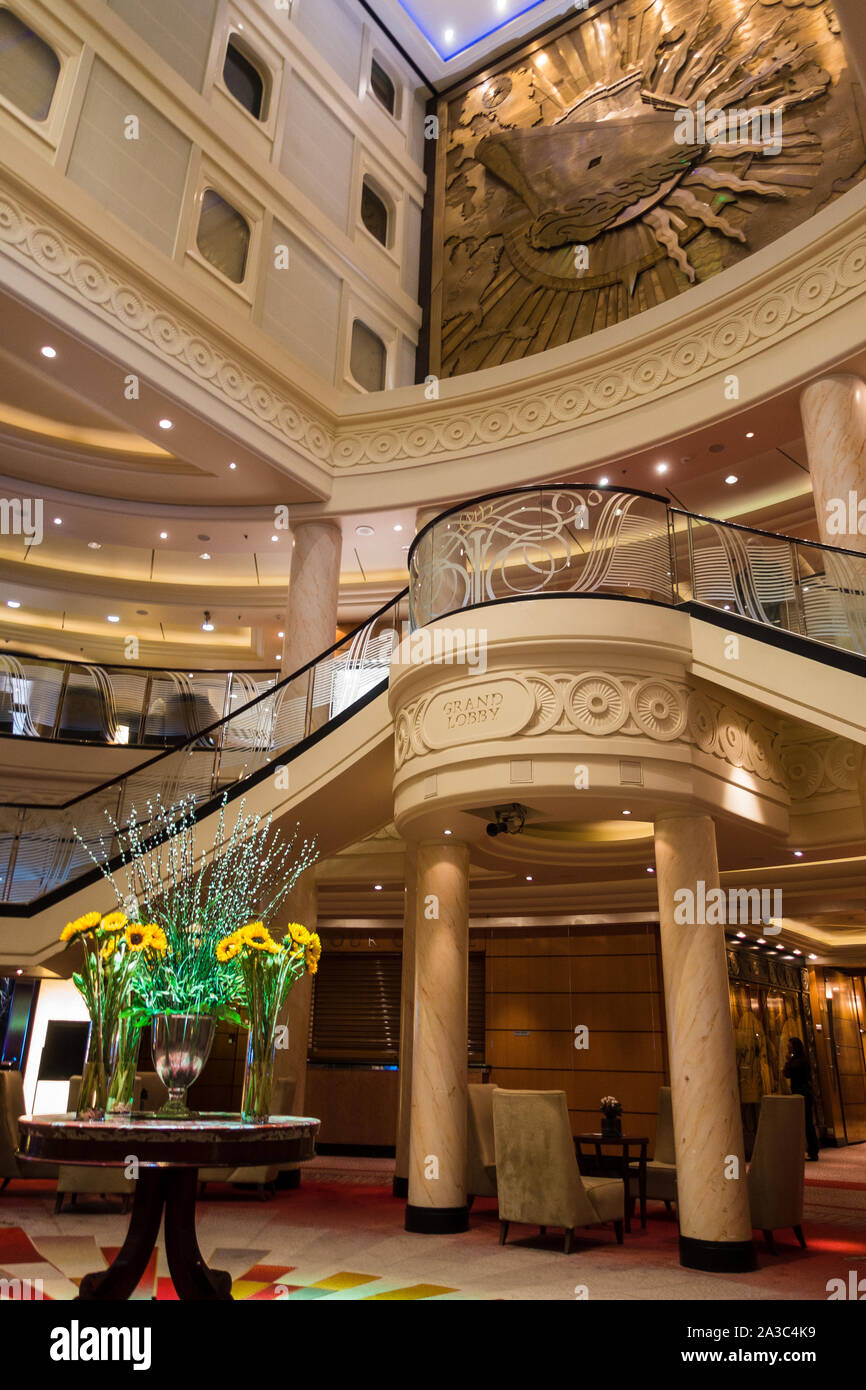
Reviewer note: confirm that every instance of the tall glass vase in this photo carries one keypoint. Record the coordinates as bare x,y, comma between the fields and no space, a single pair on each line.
181,1045
93,1095
124,1061
259,1075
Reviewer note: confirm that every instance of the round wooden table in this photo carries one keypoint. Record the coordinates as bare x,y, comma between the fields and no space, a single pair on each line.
168,1154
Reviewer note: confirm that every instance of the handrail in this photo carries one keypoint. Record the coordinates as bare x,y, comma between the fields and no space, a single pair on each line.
39,846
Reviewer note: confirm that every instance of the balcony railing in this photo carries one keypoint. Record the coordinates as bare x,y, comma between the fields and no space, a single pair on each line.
39,846
535,542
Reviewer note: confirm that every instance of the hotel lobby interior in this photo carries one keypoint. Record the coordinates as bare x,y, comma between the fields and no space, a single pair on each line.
433,654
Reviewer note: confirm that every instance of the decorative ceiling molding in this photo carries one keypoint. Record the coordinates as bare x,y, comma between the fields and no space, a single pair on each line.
814,271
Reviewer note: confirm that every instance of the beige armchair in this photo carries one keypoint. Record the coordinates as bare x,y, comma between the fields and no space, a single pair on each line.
661,1170
776,1169
480,1150
76,1180
12,1107
537,1175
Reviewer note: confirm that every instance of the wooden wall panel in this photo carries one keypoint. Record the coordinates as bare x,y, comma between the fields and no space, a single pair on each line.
539,988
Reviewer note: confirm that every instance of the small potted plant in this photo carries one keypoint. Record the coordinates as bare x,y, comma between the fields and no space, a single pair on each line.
611,1117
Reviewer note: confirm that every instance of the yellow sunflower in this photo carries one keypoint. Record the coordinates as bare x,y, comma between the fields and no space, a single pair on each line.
295,932
227,949
312,965
108,948
137,937
156,939
89,922
114,922
255,934
315,944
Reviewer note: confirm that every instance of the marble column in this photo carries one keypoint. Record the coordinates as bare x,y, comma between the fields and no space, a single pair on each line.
437,1143
407,1023
290,1062
833,409
314,590
712,1191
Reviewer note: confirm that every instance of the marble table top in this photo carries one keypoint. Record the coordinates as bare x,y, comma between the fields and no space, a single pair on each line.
203,1140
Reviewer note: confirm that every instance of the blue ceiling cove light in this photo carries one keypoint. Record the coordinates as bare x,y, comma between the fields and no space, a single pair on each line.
452,27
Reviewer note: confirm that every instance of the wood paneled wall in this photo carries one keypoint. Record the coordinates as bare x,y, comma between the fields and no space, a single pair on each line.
541,987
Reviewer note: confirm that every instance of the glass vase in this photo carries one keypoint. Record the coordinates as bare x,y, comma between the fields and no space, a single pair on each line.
611,1126
124,1062
259,1075
93,1093
181,1045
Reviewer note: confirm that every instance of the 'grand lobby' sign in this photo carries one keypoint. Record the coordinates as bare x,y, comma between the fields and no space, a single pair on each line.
481,710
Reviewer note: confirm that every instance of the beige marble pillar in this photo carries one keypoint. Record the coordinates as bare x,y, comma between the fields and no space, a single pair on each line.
712,1192
834,423
407,1023
437,1144
314,590
850,16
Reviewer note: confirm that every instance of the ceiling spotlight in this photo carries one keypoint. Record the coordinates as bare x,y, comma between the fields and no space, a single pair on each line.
529,878
731,479
207,625
448,832
364,531
163,535
750,434
741,935
48,351
603,482
661,468
449,35
398,527
94,545
813,957
12,603
797,951
19,972
798,854
278,656
377,887
281,634
275,538
761,941
58,521
650,869
166,424
779,946
626,813
232,465
204,555
112,618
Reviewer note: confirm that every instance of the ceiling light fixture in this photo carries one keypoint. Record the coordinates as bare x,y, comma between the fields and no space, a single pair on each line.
603,482
449,35
626,813
275,538
48,351
281,634
58,521
541,60
204,555
798,854
364,531
12,603
447,832
163,535
112,618
166,424
650,869
731,479
529,878
377,887
94,545
232,465
207,625
661,468
398,527
750,434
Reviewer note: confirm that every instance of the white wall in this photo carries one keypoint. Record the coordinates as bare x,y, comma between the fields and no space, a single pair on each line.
58,999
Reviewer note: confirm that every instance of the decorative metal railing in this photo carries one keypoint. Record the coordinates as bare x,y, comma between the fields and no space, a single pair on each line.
533,542
39,848
144,707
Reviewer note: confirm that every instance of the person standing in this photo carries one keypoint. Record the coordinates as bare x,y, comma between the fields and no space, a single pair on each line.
797,1071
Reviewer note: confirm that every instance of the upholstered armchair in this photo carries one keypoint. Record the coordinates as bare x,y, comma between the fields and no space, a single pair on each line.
661,1170
776,1169
537,1175
480,1150
12,1107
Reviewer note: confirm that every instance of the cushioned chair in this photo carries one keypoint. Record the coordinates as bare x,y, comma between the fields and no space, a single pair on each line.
537,1175
480,1150
76,1180
776,1170
12,1107
661,1170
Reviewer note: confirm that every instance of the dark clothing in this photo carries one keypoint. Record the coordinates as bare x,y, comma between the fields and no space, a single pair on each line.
800,1079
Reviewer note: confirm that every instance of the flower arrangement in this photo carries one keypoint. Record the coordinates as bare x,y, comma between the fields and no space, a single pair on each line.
264,972
113,950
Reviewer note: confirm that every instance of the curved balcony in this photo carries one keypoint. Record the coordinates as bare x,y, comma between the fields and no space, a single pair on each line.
45,847
609,542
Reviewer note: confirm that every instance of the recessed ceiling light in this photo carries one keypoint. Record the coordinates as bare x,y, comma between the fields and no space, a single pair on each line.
661,468
750,434
529,878
48,351
741,935
447,832
204,555
278,656
281,634
761,941
798,854
650,870
603,482
94,545
232,465
731,479
275,538
811,957
797,951
58,521
163,535
12,603
626,813
112,618
166,424
449,35
377,887
398,527
779,946
364,531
